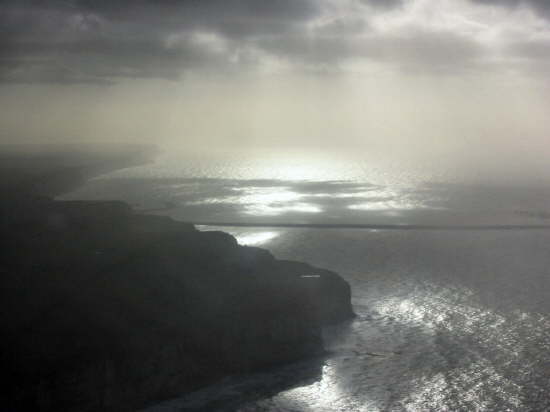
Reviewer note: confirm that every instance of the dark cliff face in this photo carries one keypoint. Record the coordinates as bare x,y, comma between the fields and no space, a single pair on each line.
103,309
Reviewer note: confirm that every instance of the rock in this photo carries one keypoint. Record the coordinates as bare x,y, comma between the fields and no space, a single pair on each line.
106,309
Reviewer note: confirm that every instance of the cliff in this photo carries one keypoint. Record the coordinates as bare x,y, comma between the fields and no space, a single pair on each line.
106,309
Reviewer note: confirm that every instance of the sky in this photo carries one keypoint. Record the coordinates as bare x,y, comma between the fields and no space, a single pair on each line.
466,78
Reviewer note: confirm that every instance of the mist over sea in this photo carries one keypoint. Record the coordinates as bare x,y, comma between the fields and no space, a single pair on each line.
447,319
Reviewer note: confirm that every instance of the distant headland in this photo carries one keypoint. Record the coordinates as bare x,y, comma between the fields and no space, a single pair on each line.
107,309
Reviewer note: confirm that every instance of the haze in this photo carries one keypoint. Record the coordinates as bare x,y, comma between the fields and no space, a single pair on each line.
275,205
466,79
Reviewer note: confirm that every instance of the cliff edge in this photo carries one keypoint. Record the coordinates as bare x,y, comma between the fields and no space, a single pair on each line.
105,309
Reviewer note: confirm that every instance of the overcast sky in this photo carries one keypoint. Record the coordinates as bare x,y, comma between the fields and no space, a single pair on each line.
430,76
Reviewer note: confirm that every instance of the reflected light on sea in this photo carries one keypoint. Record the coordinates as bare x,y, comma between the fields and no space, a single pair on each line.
324,395
285,165
265,201
256,238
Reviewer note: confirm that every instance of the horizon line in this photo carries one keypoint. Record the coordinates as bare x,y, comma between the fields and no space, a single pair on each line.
373,226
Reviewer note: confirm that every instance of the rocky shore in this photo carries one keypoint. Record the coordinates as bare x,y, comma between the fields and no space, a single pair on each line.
107,309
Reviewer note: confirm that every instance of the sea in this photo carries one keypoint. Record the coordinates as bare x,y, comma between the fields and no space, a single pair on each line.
449,266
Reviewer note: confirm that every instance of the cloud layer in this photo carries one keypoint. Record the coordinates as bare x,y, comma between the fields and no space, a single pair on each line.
82,41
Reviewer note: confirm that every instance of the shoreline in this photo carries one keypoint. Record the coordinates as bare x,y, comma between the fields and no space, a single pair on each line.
108,309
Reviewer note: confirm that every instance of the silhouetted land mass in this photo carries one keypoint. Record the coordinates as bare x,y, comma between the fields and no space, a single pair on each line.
107,309
51,170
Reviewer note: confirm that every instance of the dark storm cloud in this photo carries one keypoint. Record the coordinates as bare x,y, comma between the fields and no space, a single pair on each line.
90,41
84,41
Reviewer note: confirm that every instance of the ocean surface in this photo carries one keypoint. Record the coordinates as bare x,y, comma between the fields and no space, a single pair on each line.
449,317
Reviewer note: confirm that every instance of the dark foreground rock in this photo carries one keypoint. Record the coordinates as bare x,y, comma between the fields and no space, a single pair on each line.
104,309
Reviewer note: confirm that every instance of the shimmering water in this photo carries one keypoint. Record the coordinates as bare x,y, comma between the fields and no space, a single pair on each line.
447,320
321,188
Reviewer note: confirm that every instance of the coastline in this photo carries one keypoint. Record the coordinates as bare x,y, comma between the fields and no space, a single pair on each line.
130,309
52,171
